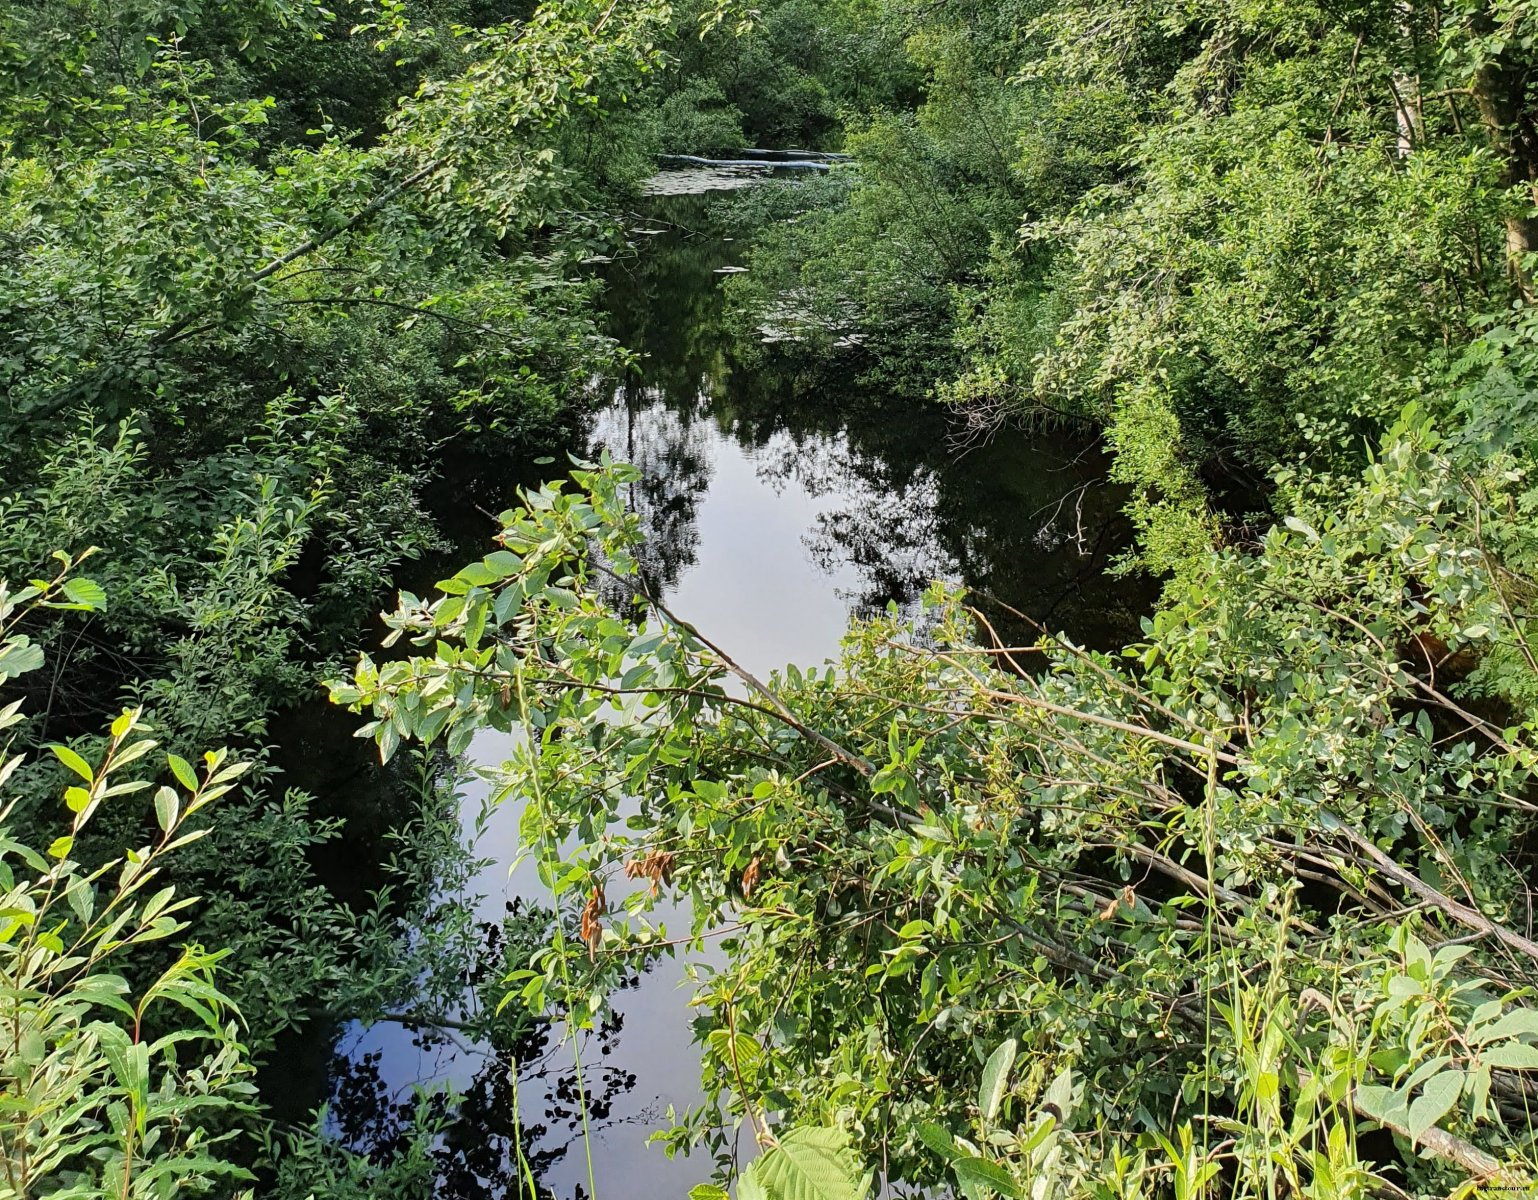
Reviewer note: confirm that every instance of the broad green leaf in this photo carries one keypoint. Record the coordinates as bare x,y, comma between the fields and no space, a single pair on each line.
74,762
749,1187
86,593
808,1164
1298,525
183,771
1520,1022
996,1079
1382,1104
1060,1094
939,1140
979,1171
1435,1101
18,656
167,806
1513,1056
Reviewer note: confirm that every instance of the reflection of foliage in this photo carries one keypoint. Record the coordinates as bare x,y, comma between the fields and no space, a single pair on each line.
520,1113
671,447
234,348
497,1083
1177,877
664,304
882,520
1026,523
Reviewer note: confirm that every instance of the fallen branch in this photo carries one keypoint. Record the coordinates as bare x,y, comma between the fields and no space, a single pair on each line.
1468,917
1485,1168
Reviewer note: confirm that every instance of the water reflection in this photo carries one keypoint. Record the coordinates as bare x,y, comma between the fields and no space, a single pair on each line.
515,1110
888,504
779,502
676,456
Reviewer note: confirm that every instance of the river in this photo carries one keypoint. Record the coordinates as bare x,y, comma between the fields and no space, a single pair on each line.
782,501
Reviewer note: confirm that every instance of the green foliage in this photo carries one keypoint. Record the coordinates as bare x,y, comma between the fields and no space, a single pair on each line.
1000,876
260,265
1229,236
114,1083
211,330
1185,919
311,1164
126,1065
699,119
806,1164
778,80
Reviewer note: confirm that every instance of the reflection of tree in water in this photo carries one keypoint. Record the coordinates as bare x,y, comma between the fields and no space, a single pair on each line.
671,447
901,508
534,1106
666,303
882,520
1032,524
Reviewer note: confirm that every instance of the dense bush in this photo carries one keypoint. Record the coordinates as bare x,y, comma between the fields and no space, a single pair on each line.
1238,897
261,267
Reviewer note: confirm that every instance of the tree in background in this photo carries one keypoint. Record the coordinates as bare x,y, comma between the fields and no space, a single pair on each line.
259,264
1233,237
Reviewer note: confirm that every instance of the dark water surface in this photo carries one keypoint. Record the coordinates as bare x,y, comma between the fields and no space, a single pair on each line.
781,502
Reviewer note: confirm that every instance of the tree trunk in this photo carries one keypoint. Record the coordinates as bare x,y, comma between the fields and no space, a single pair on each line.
1500,91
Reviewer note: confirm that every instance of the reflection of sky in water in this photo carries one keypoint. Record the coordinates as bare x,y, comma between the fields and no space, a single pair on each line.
770,573
788,538
631,1074
768,536
752,578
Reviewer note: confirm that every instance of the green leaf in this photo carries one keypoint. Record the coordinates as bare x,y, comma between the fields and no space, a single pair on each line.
1060,1094
708,1191
1519,1022
808,1164
977,1171
18,656
1383,1104
167,806
127,1058
74,762
106,990
32,1048
82,900
1298,525
940,1141
996,1079
61,847
1434,1103
85,593
389,742
749,1187
183,771
1513,1056
1479,1093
